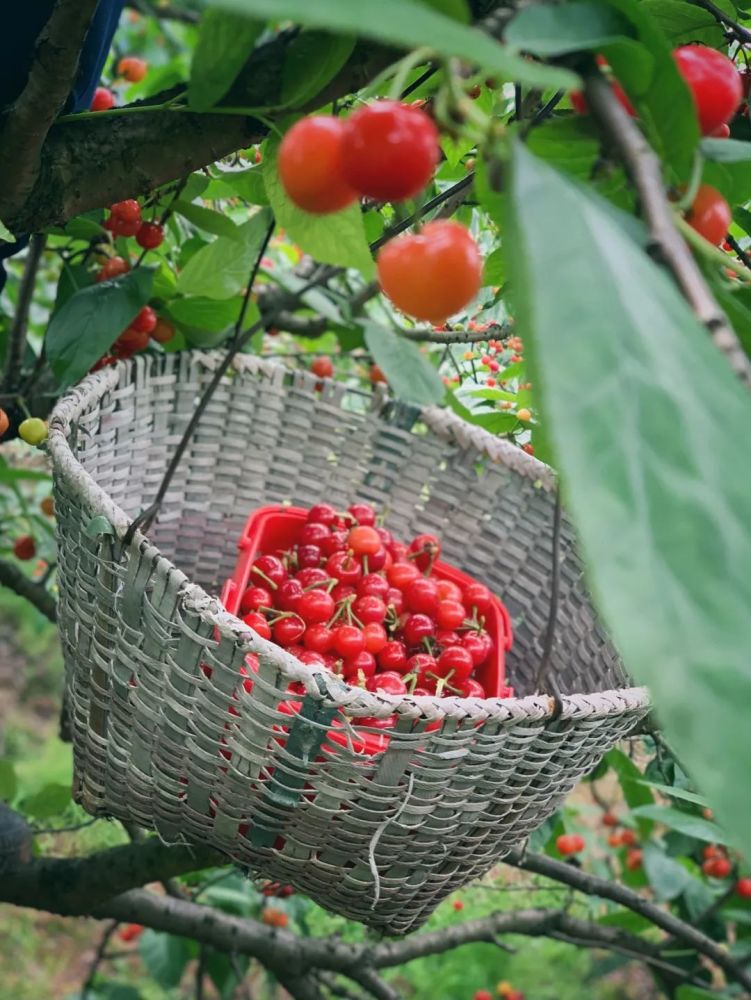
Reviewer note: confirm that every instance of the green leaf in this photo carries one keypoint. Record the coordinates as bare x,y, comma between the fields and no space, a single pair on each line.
222,268
8,784
338,238
246,184
683,822
656,486
457,9
676,793
225,42
165,956
207,219
694,993
91,320
410,375
573,27
51,800
633,787
667,877
729,170
6,236
408,24
313,59
204,313
684,23
494,269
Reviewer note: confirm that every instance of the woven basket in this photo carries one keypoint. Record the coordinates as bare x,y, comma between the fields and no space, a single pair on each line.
383,837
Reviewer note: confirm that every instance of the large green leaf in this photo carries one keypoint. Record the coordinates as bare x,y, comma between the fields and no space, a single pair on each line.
338,238
165,956
222,268
683,822
8,782
657,487
91,320
51,800
634,790
207,219
204,313
694,993
683,22
667,877
728,168
407,24
573,27
409,374
247,184
225,42
312,60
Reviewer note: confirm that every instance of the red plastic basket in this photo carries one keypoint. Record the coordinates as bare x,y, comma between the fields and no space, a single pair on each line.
275,528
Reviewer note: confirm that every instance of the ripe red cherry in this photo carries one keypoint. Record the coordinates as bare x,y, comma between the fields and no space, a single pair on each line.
450,614
422,595
348,640
445,637
308,556
336,542
287,595
389,682
150,235
393,656
710,214
344,567
482,995
312,576
401,574
126,211
315,606
313,533
449,591
421,664
373,585
322,367
24,548
432,274
569,843
743,888
163,332
258,623
425,549
360,666
477,595
416,628
609,819
270,569
717,867
131,340
628,838
714,82
255,598
398,552
310,657
395,601
478,645
342,591
363,513
470,688
322,513
633,859
111,268
364,540
456,661
310,165
318,638
389,151
370,608
102,100
288,631
375,637
132,69
145,321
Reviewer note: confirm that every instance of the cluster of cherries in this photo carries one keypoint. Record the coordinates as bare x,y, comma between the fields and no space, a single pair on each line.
717,88
350,597
385,151
125,220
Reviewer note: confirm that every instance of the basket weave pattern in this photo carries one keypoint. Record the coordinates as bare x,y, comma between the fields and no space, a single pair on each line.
383,837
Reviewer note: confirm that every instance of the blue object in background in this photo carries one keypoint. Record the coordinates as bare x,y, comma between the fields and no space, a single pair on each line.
17,42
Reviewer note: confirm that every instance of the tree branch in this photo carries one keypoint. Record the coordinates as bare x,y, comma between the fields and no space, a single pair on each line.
742,34
645,171
15,579
17,335
51,78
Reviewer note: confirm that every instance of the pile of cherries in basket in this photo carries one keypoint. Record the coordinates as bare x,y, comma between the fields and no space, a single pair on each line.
350,597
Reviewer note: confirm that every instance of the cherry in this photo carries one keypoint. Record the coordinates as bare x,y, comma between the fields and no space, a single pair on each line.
717,867
482,995
308,556
375,636
477,595
259,624
399,552
33,430
395,600
314,533
375,374
344,567
389,150
628,838
393,656
416,628
150,235
255,598
132,340
455,660
24,548
342,591
288,631
373,585
362,513
450,614
422,595
425,549
288,595
310,165
4,422
569,843
470,688
364,541
478,645
458,905
126,211
122,227
315,606
112,268
614,840
132,69
318,638
449,591
389,682
743,888
336,542
270,569
633,859
310,657
145,321
102,100
712,851
369,609
710,214
714,82
130,932
348,640
312,577
163,332
322,367
401,574
379,560
432,274
359,666
322,513
721,132
47,506
421,664
609,819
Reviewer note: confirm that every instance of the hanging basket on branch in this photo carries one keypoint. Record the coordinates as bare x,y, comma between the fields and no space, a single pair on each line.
379,836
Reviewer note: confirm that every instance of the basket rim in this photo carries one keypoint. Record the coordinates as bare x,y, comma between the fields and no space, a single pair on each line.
331,690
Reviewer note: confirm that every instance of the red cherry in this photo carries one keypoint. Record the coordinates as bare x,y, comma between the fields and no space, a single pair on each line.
422,595
477,595
416,628
421,664
450,614
102,100
425,550
322,513
470,688
312,577
288,631
712,851
399,552
714,82
628,838
342,591
456,661
482,995
310,657
364,540
386,537
717,867
132,69
322,367
379,560
375,637
609,819
401,574
389,151
344,567
310,165
358,667
269,568
369,609
112,268
336,542
479,646
287,595
743,888
255,598
710,214
393,656
258,623
122,227
395,600
449,591
363,513
150,235
721,132
315,606
373,585
569,843
432,274
145,321
131,340
313,533
389,682
633,859
348,640
24,548
318,638
308,556
163,332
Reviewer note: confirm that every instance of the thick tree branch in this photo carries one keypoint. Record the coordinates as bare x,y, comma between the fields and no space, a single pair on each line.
15,579
51,79
669,247
17,335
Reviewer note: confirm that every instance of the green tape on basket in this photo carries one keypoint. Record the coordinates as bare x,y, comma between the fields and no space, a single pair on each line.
306,735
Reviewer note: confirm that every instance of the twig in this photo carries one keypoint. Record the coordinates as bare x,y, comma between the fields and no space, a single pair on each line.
421,334
738,250
668,246
17,335
555,578
99,957
200,972
67,829
15,579
742,34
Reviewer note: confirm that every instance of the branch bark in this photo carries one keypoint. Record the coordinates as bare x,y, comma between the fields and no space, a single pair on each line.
15,579
17,336
52,75
644,169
